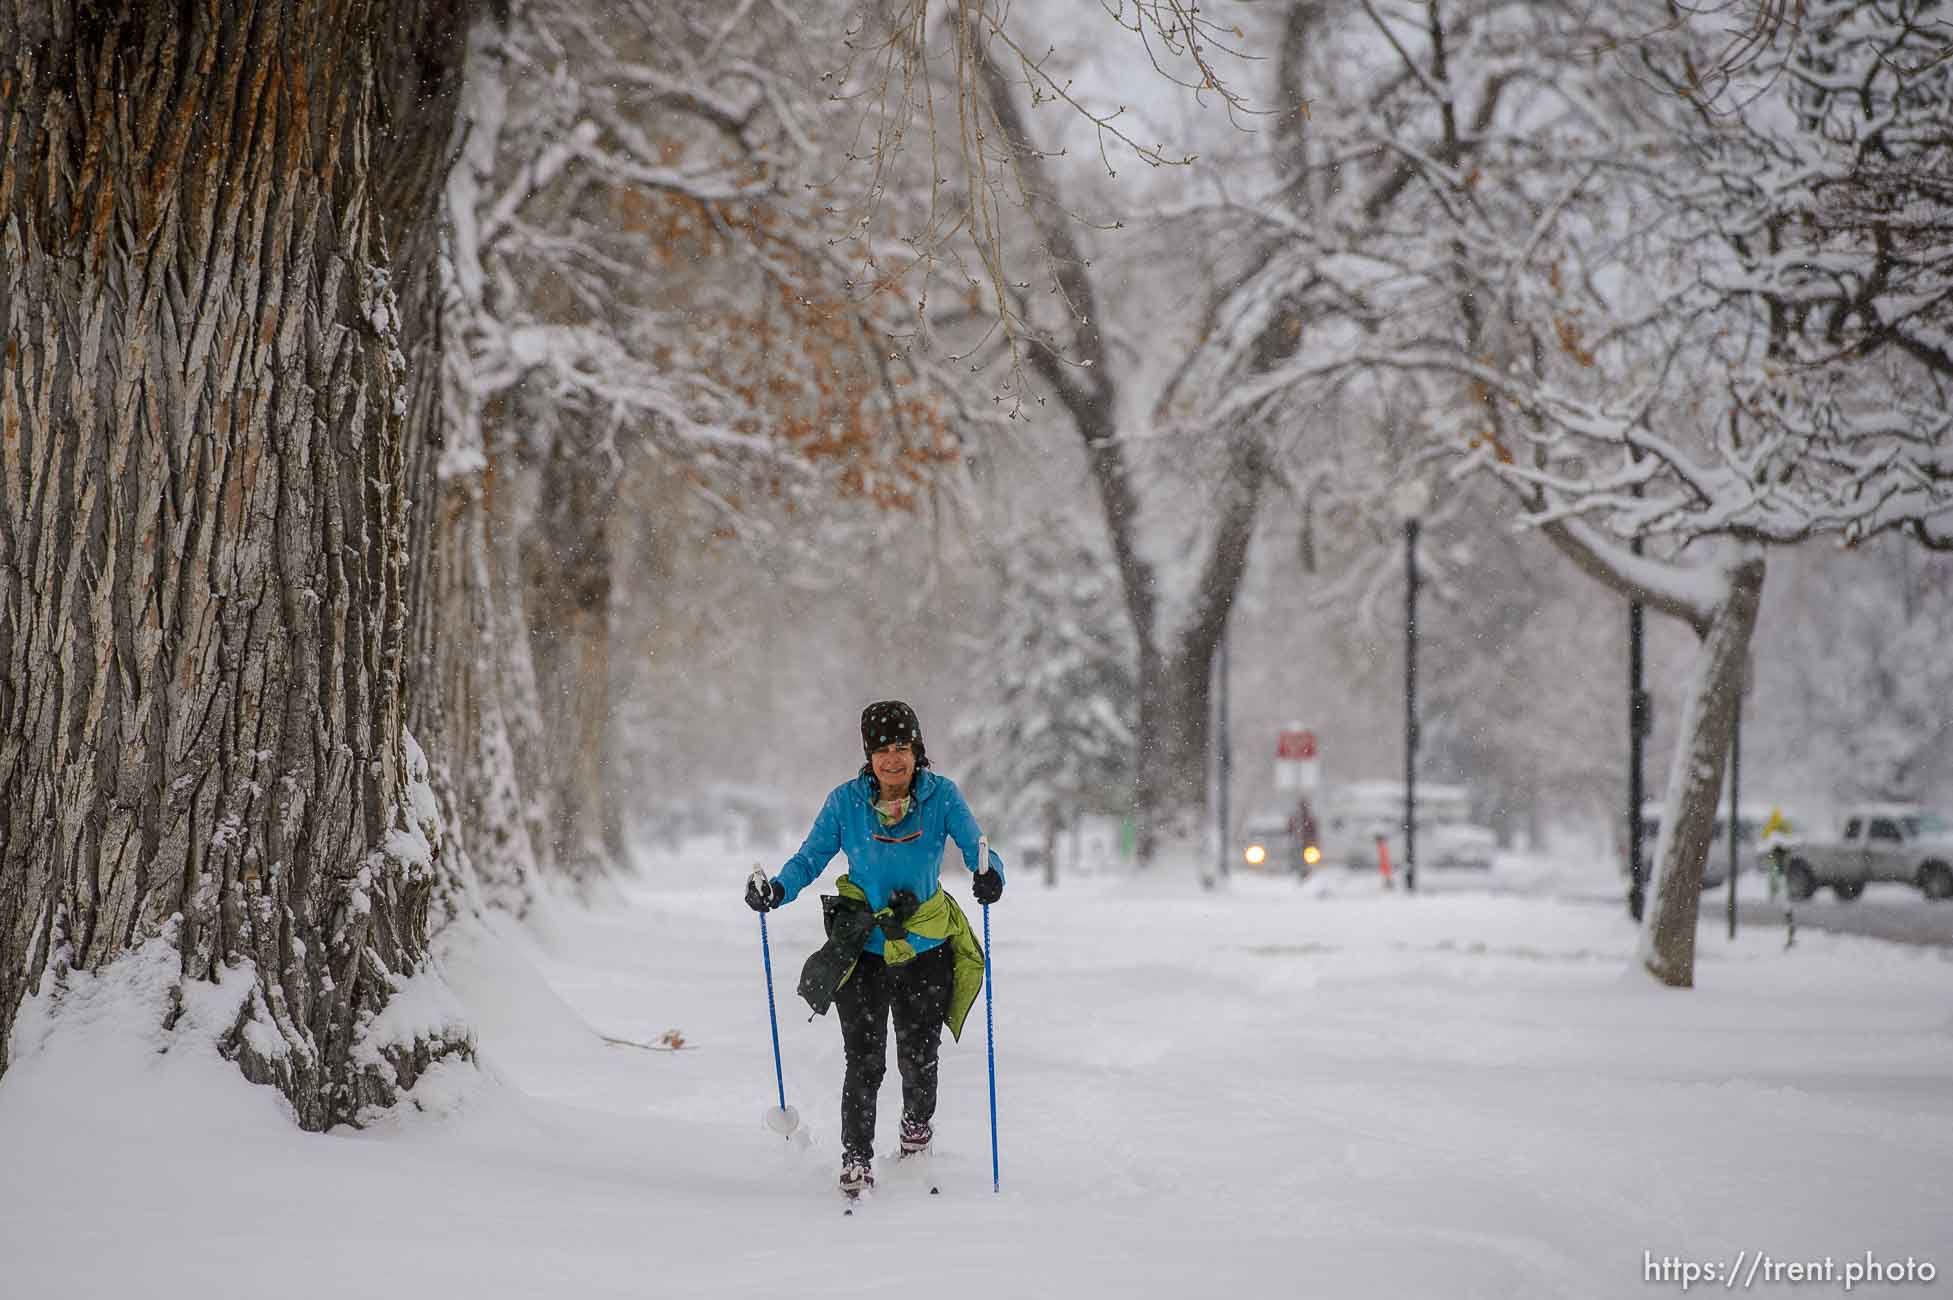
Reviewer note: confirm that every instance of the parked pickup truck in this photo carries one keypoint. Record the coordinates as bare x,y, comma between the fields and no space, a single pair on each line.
1880,842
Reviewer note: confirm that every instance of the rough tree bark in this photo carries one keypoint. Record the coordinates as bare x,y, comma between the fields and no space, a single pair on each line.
211,215
466,642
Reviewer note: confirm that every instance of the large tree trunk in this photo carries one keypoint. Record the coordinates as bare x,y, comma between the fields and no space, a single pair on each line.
1171,765
465,636
210,216
508,503
1695,780
1170,768
1176,688
1667,946
469,685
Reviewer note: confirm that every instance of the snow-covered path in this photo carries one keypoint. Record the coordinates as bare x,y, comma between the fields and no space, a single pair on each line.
1301,1092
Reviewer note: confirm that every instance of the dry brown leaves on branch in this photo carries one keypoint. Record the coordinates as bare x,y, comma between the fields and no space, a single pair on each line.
802,356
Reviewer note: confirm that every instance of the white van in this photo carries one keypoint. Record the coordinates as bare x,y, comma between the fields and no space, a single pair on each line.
1359,813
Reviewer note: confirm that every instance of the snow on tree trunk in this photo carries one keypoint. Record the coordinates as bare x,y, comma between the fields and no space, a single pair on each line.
495,687
506,489
209,216
1695,780
467,636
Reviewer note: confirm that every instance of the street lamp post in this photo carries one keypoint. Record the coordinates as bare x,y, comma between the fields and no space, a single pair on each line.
1637,733
1735,807
1224,760
1736,787
1640,723
1412,498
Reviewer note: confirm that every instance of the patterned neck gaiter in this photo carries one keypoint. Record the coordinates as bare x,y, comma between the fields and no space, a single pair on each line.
894,810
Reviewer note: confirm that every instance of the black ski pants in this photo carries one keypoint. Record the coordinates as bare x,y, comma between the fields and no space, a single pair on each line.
916,994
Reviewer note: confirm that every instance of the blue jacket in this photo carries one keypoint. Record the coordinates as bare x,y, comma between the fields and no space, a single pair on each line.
883,859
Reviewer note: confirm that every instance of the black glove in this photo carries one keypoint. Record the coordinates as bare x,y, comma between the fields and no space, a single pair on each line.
763,895
988,887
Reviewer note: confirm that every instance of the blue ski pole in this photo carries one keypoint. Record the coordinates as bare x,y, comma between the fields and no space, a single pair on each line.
989,1024
782,1120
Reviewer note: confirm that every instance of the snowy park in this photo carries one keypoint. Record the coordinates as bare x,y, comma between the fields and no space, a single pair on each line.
1131,648
1317,1091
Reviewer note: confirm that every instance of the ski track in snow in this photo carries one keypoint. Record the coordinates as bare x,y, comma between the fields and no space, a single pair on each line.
1306,1092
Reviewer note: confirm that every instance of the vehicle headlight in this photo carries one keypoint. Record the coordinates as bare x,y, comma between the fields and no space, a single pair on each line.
1256,855
1312,855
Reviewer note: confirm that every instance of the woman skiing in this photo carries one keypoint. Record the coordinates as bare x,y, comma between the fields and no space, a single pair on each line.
897,944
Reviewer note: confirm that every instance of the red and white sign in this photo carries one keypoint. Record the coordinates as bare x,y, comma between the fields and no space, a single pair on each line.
1299,745
1298,763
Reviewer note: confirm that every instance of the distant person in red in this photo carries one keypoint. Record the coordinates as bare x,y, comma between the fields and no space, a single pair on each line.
1302,829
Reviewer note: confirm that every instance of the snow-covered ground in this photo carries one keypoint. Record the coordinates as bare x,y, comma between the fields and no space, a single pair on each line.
1271,1090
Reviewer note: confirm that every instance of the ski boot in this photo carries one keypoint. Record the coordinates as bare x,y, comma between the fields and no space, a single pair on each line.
857,1176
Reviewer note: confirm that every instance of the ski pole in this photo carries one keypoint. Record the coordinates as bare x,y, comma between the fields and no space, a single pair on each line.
772,1016
989,1022
783,1121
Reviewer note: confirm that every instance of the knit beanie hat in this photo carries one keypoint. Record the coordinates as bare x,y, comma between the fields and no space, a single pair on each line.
888,722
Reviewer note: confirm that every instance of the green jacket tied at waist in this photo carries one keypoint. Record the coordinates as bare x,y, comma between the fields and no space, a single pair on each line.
849,923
